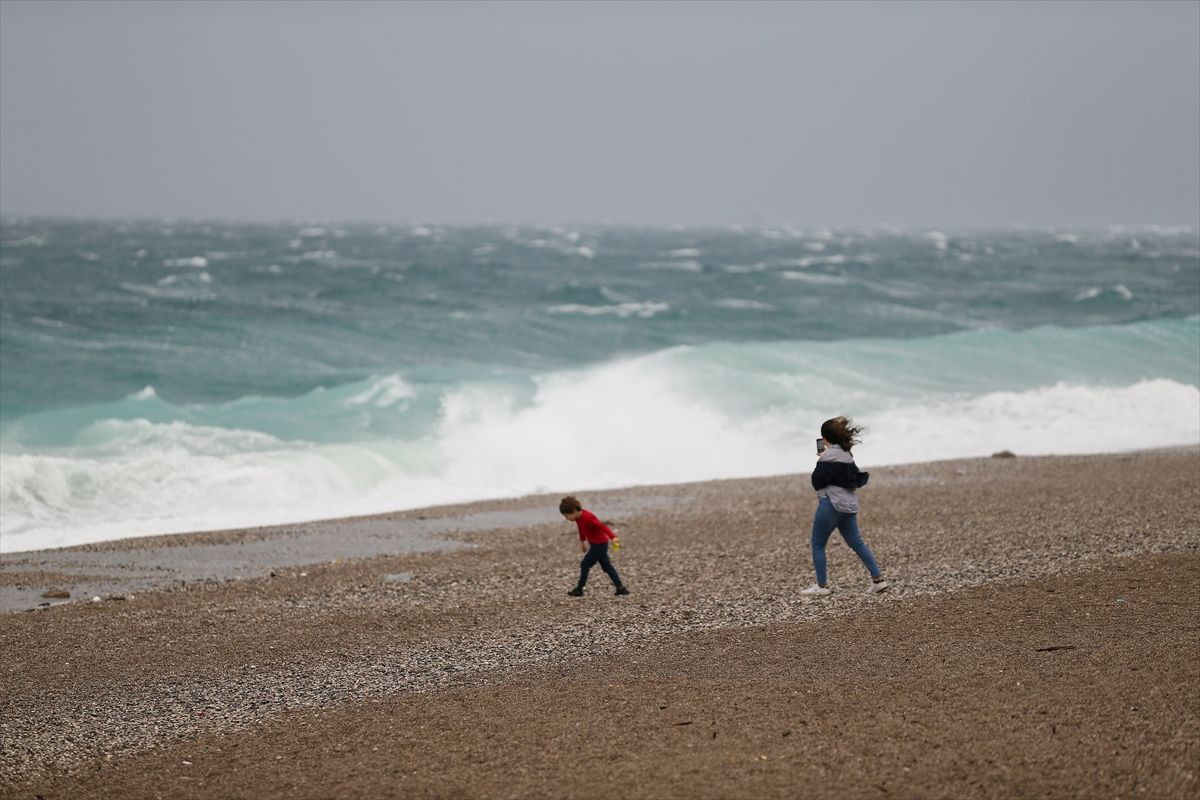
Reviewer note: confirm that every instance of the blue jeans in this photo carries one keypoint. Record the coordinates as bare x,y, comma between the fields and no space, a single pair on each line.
824,521
597,554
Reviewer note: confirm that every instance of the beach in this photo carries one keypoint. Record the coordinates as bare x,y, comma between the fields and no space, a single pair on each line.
1039,640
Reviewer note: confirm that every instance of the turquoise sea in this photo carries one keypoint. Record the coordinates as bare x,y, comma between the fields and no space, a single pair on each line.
164,376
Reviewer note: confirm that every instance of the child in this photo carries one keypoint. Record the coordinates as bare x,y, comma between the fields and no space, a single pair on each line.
594,537
837,479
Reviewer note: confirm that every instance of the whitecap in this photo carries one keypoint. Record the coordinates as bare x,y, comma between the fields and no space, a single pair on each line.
939,239
311,233
643,310
384,393
586,252
815,247
817,278
738,304
1120,290
744,269
808,261
685,252
194,261
318,255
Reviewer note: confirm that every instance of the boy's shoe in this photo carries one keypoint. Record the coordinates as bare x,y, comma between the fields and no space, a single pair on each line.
818,590
576,592
877,586
621,591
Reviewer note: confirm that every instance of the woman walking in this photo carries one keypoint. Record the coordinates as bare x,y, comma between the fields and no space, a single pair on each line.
837,479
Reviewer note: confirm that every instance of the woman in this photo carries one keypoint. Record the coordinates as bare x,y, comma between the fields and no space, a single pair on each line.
837,479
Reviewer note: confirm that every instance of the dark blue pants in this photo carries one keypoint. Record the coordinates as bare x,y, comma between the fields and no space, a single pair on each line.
597,554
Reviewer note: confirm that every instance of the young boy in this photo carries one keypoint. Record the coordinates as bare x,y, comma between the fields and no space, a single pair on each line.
594,537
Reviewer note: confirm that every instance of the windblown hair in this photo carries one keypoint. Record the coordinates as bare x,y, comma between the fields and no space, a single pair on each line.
842,431
569,505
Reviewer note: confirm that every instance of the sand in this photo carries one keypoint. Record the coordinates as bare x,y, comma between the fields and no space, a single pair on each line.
1040,640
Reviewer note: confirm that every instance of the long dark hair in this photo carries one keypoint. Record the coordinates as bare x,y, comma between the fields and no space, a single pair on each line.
842,431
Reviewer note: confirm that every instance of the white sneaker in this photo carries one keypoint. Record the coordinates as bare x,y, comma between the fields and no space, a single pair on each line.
817,589
876,588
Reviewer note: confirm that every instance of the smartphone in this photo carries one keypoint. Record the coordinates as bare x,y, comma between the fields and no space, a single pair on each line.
820,446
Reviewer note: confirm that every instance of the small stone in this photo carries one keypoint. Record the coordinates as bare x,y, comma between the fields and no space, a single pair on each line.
96,598
56,593
1004,454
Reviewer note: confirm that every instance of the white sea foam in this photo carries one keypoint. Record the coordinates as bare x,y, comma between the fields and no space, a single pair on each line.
1120,291
384,393
808,261
739,304
816,278
176,287
194,261
644,423
632,309
685,252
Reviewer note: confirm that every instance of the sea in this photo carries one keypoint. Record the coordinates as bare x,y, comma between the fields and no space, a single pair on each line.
160,376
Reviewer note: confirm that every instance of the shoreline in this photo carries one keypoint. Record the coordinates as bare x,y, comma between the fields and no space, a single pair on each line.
107,694
116,568
466,507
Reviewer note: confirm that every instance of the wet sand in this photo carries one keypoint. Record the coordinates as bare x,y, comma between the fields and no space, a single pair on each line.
1040,640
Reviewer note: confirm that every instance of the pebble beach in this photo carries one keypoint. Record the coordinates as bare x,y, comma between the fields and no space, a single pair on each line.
1038,640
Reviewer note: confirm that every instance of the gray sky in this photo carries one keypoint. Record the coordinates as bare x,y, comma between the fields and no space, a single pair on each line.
1057,114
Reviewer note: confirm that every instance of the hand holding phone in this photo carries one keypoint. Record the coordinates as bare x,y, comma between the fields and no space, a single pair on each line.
820,446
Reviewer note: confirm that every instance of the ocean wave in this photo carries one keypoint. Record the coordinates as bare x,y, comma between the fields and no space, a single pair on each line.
142,465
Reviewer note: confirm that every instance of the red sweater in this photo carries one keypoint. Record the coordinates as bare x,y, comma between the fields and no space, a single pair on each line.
592,530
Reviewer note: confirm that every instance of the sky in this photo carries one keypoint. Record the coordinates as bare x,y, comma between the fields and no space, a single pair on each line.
964,114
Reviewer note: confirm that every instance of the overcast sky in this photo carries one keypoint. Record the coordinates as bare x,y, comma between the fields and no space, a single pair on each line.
993,114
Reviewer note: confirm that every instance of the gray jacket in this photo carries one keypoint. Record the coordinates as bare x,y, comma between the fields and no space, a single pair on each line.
837,477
